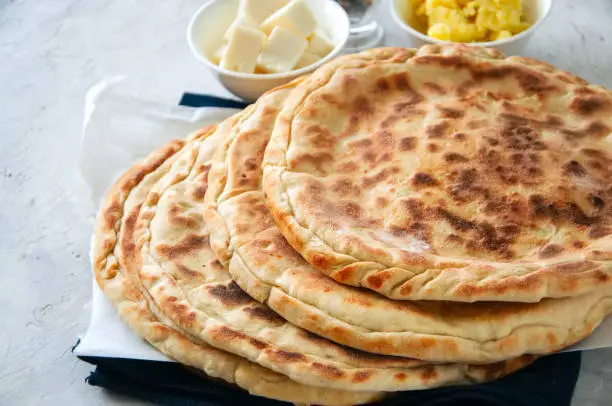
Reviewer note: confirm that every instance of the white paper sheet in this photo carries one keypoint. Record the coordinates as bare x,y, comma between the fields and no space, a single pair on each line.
119,130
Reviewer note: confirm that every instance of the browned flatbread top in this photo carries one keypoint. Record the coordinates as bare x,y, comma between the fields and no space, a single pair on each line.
452,173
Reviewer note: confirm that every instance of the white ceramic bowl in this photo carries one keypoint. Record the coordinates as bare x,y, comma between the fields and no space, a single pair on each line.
536,12
210,22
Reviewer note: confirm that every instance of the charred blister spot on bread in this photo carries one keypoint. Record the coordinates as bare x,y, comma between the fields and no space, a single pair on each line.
414,229
482,235
593,153
359,299
573,168
433,88
454,239
403,112
465,186
328,371
529,80
318,160
595,129
433,147
227,334
111,214
320,137
400,81
348,167
229,295
286,357
542,208
320,260
343,275
590,104
175,218
350,210
363,143
574,213
264,313
216,265
597,201
382,202
383,85
428,374
361,376
400,376
521,138
550,251
450,113
190,244
377,280
459,136
153,198
127,242
407,143
422,179
199,191
379,177
599,231
437,130
110,272
362,107
345,188
180,311
454,157
551,339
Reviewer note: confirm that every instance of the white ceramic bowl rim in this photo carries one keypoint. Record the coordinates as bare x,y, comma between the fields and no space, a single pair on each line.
399,20
295,72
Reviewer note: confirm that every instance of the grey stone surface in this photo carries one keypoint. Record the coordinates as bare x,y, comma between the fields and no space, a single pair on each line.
51,53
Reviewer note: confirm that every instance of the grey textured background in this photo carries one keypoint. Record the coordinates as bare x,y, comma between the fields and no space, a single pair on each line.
51,53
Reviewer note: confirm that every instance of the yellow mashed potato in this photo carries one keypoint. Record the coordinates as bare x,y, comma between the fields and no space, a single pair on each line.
470,20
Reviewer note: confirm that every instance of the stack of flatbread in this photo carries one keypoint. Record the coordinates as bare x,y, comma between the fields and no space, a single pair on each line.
400,219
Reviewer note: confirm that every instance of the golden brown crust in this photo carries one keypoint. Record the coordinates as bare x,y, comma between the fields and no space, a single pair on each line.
264,264
116,222
497,174
206,304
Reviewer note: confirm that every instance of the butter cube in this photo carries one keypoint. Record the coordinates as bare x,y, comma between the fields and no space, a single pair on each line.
217,56
259,10
319,43
307,59
282,51
242,21
242,50
295,17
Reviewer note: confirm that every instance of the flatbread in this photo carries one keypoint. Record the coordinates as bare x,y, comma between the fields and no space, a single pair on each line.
245,236
119,209
452,173
180,272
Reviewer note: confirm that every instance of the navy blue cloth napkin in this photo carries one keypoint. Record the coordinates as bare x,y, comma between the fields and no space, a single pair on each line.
550,381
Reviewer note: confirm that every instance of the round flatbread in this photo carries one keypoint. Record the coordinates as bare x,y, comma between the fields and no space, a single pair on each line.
452,173
245,236
181,274
112,238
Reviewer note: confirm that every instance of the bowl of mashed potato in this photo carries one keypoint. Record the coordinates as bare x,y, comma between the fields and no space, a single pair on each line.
503,24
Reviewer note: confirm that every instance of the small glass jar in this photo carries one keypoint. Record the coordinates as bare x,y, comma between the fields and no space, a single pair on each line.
366,32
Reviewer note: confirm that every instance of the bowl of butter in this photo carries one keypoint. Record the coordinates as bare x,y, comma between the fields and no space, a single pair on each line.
255,45
503,24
